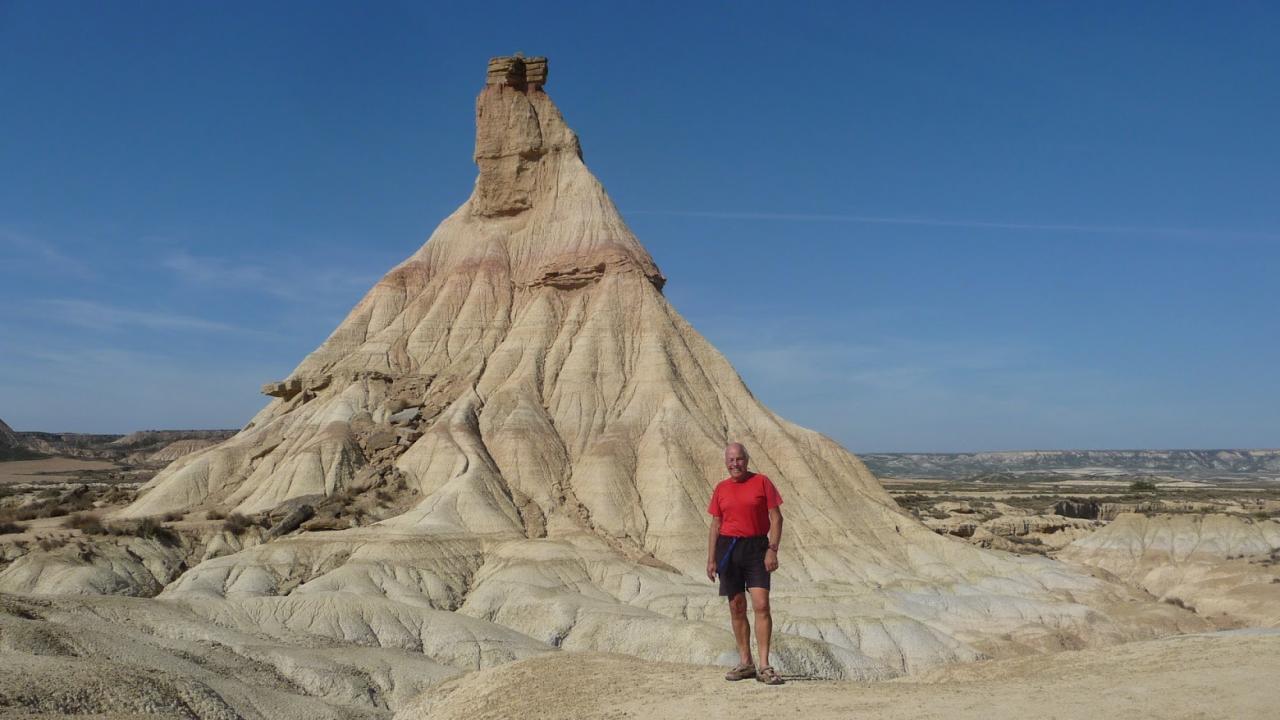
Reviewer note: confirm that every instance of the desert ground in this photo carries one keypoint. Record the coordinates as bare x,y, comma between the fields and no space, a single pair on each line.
1222,674
54,470
1194,676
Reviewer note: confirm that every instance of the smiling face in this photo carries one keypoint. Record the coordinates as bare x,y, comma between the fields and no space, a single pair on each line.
735,461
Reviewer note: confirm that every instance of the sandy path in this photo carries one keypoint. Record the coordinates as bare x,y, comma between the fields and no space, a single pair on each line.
1218,676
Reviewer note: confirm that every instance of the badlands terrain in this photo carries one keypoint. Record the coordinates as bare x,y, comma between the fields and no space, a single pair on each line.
484,495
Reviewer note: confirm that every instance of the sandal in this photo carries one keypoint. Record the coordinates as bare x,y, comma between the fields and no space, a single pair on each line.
769,676
744,671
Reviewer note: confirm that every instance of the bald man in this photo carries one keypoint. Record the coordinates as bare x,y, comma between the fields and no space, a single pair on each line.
742,548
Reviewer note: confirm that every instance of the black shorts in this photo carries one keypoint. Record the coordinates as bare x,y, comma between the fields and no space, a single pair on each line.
740,563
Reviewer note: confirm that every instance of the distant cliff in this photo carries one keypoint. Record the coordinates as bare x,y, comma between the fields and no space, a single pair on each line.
12,447
1180,463
138,447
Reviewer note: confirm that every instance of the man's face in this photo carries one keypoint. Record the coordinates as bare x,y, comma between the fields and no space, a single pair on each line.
735,461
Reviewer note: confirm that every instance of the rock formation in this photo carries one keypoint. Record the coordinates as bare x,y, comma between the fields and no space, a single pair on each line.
531,433
7,437
11,445
1005,527
1226,568
177,449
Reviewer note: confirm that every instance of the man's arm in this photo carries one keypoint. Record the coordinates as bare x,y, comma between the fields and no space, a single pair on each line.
711,548
775,537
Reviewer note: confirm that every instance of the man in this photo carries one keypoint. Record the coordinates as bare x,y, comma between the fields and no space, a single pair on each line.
742,548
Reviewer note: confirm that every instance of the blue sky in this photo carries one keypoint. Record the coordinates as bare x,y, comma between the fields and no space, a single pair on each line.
914,227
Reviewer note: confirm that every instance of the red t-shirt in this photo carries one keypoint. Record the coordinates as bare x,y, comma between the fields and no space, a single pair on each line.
743,507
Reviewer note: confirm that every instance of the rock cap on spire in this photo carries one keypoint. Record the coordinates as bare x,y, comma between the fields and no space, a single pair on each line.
518,71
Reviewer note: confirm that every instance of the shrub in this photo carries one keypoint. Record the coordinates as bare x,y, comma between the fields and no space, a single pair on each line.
170,517
117,495
85,523
151,529
911,501
1142,486
237,523
75,501
8,528
215,514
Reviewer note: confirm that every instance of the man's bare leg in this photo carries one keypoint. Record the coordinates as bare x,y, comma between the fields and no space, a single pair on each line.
741,626
764,623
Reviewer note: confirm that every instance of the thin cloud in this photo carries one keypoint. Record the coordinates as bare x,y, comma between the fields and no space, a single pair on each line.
31,253
301,284
215,272
966,224
88,314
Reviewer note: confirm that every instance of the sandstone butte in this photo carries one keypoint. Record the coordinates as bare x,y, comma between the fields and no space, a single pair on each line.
547,430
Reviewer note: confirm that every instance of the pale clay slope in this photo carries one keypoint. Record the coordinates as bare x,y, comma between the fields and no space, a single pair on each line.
136,567
128,656
563,427
1221,565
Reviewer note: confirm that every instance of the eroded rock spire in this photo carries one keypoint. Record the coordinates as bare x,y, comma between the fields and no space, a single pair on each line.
519,133
515,434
